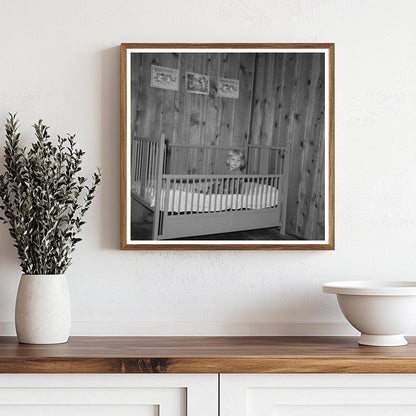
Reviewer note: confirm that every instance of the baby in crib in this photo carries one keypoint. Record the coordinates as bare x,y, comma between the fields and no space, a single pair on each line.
235,162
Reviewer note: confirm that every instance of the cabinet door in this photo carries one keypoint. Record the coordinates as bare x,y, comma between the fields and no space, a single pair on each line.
108,395
318,394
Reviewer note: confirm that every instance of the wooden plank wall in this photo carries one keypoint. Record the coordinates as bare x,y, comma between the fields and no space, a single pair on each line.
288,110
188,118
281,102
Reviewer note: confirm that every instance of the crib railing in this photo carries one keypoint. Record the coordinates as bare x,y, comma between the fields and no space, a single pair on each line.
194,159
144,167
193,194
204,160
265,159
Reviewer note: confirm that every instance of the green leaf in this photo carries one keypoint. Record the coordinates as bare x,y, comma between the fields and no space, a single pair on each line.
44,198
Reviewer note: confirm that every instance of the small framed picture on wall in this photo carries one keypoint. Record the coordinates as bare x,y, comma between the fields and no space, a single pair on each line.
197,83
227,146
228,88
166,78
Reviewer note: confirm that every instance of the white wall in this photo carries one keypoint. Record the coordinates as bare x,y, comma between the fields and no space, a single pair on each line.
60,61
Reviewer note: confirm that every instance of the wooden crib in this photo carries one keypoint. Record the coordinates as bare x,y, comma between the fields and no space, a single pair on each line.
190,193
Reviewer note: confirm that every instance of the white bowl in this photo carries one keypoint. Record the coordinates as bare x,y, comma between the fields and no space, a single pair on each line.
381,311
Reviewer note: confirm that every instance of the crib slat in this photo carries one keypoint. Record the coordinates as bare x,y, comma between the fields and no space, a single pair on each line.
258,194
149,157
261,193
230,193
133,160
253,191
154,164
146,164
187,197
140,161
143,167
142,171
225,192
266,192
152,161
221,193
149,164
277,190
193,197
204,195
180,197
204,190
137,164
173,188
278,186
167,193
209,191
235,192
270,192
245,195
274,190
215,188
198,197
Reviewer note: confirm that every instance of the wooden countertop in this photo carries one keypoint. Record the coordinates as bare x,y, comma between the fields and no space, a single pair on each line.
206,355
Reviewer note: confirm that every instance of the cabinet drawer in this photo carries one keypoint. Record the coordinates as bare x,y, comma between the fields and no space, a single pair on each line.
108,395
317,394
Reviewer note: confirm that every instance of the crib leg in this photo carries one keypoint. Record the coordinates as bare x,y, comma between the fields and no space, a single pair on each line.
157,220
283,217
155,227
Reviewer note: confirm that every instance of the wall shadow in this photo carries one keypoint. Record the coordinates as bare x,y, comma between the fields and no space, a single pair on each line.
110,147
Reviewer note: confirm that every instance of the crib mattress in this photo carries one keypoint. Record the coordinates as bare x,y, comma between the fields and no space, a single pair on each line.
179,200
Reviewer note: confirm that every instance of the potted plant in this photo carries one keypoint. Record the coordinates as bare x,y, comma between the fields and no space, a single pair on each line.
43,198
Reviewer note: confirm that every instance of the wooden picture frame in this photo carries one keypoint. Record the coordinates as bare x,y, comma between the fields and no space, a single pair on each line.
228,88
205,172
197,83
165,78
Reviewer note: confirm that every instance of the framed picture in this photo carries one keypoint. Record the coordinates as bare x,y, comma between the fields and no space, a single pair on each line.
197,83
166,78
202,171
227,88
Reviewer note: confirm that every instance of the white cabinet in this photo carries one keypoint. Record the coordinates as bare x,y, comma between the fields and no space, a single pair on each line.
109,395
317,394
197,394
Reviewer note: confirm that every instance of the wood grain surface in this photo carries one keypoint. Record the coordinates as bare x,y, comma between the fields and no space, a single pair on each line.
206,355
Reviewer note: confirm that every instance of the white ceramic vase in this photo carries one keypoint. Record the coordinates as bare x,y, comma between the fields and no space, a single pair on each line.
43,309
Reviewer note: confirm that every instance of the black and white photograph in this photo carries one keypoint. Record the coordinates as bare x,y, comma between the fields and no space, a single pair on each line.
197,83
166,78
227,87
238,155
